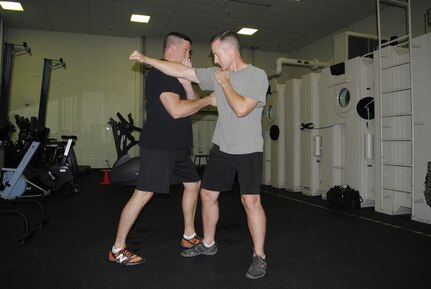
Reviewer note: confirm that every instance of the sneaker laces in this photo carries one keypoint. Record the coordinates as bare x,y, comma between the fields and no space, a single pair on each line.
197,238
257,261
127,252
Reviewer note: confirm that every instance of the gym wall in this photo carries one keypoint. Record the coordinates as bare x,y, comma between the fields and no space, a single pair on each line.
98,81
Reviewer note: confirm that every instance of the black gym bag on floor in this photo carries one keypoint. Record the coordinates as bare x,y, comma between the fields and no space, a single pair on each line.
343,197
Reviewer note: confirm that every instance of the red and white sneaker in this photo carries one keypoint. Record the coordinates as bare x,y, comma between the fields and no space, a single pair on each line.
125,257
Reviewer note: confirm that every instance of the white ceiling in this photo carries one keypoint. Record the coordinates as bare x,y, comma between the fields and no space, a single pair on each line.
284,25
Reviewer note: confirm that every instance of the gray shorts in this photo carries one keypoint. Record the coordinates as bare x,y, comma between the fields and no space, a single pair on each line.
221,169
159,169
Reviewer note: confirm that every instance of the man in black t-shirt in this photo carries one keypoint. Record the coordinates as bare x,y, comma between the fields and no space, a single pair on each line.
164,148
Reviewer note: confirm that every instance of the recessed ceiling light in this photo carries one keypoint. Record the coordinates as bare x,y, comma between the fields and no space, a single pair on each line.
140,18
8,5
247,31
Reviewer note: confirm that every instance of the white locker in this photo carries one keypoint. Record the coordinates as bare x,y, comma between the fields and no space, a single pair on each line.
309,139
347,128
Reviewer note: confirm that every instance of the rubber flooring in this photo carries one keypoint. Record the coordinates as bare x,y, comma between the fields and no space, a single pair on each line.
307,245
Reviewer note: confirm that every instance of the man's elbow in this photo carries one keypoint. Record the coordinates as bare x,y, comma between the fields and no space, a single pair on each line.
176,115
242,112
245,108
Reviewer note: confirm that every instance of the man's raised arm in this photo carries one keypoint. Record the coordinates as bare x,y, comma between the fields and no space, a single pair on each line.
170,68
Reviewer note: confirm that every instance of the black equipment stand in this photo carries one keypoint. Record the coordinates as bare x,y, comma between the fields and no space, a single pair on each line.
10,49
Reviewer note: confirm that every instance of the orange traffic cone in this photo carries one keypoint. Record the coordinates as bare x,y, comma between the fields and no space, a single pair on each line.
106,180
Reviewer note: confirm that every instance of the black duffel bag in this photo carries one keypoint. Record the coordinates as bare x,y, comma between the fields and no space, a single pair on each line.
344,197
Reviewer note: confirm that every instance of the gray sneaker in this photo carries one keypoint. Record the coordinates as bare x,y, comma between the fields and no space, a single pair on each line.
200,249
257,268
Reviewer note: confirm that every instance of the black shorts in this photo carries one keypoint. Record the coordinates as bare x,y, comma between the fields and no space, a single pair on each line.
161,168
220,172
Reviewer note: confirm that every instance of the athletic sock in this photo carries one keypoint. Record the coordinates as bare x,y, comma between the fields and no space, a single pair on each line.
115,251
205,244
189,237
263,256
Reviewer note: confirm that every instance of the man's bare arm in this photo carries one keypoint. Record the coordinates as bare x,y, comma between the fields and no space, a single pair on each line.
187,84
178,108
190,92
240,104
170,68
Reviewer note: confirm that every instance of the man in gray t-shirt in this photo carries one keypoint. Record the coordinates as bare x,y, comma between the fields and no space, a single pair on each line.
233,134
240,90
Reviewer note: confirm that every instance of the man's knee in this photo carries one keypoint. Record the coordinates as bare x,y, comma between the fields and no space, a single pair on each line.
208,196
142,195
251,202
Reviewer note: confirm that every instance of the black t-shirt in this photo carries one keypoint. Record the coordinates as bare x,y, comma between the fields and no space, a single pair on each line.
161,131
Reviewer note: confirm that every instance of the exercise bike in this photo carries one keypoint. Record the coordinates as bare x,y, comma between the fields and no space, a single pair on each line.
61,164
125,170
56,163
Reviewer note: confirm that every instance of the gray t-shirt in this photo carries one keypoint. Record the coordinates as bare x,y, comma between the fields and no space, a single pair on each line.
238,135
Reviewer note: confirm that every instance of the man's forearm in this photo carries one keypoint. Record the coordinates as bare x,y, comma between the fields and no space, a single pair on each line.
167,67
241,105
190,92
188,107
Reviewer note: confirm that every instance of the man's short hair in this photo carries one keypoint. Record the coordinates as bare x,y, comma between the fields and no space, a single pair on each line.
173,37
225,36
